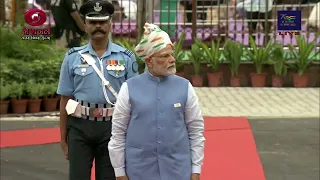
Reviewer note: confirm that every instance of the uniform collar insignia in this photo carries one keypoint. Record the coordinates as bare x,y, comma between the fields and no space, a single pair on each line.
97,7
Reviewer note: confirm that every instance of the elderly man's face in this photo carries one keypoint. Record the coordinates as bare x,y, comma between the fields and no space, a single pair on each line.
98,29
162,63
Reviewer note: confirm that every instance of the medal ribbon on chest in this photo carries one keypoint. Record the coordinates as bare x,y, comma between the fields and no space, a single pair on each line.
116,66
121,65
111,65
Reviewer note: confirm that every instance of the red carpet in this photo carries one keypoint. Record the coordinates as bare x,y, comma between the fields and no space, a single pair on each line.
230,150
29,137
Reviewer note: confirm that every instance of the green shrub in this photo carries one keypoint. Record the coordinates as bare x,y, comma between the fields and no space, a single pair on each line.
13,46
302,55
23,60
4,92
233,51
34,90
197,55
16,90
49,90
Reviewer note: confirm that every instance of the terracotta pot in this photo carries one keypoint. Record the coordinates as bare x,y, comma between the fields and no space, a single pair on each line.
58,103
277,81
214,79
4,105
197,81
19,106
34,105
300,81
181,74
258,80
235,81
50,104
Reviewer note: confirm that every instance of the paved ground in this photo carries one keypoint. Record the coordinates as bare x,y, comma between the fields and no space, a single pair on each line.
288,145
263,103
260,102
289,150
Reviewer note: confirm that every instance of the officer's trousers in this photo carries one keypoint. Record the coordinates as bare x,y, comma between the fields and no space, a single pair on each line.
88,140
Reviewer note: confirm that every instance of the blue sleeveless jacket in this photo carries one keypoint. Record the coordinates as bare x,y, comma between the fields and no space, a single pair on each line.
157,142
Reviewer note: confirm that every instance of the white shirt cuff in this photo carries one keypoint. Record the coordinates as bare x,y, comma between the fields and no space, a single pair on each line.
196,169
120,172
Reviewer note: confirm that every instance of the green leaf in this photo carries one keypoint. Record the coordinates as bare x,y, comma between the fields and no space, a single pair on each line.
4,92
233,51
16,90
179,53
197,56
302,53
211,54
279,60
259,56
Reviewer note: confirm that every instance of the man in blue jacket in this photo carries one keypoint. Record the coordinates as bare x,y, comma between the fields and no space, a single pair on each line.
157,127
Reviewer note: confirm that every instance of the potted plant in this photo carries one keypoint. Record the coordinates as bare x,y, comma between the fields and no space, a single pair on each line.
34,92
214,59
4,95
50,101
19,105
233,51
259,56
196,59
302,59
179,54
279,62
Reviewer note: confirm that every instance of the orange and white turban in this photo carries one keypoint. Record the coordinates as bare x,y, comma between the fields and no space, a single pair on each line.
154,40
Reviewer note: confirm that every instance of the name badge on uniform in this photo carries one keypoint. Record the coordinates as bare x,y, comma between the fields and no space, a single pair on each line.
177,105
83,66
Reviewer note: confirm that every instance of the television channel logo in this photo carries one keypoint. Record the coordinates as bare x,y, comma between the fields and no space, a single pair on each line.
35,18
289,22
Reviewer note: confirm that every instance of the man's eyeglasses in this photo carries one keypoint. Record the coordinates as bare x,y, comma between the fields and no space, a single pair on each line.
164,56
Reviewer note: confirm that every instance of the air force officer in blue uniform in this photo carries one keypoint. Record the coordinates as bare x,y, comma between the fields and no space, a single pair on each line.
86,132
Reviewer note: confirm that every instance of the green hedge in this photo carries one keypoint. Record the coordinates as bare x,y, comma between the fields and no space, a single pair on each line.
24,60
29,68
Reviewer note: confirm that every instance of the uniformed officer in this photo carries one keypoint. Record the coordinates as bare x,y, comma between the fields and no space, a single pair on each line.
90,78
69,26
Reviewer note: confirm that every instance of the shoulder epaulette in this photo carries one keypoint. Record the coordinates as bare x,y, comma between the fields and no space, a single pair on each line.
75,49
128,52
124,50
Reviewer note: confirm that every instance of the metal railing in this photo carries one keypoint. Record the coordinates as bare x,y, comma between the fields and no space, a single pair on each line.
208,19
212,20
